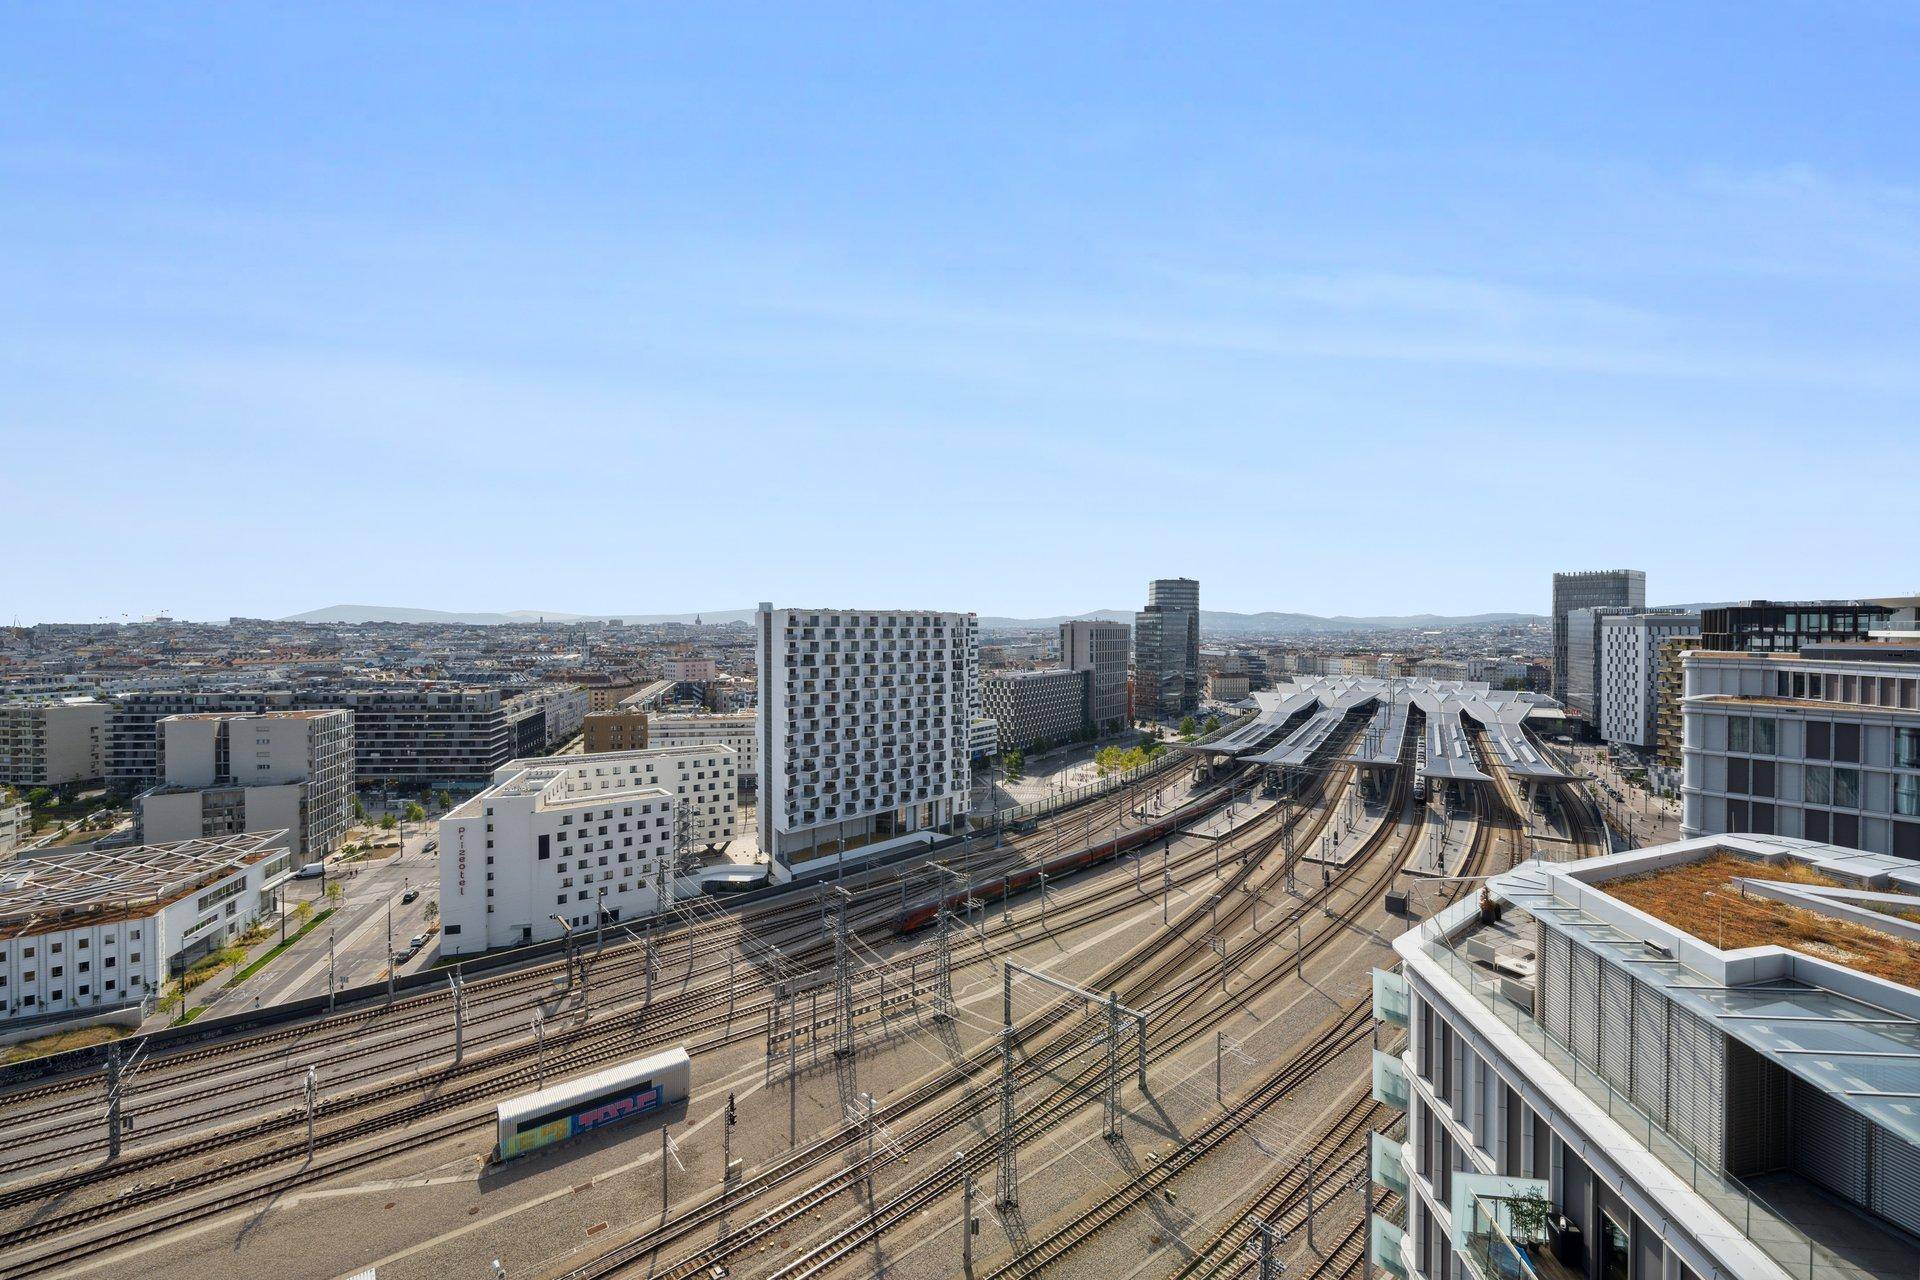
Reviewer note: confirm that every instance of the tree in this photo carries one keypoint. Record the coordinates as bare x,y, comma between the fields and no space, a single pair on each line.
1042,745
1213,724
334,893
431,911
359,810
414,813
39,797
303,911
1013,763
388,822
442,801
1187,727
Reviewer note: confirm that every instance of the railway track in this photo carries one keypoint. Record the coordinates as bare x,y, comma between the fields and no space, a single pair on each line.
411,1116
1225,1252
771,1220
348,1028
1174,1008
699,1009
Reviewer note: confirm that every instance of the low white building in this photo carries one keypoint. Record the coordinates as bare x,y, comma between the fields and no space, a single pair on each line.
553,843
729,729
88,931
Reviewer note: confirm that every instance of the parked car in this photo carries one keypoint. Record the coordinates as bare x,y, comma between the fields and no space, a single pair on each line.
418,941
312,871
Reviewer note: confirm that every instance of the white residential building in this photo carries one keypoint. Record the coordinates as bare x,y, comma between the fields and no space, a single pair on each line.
554,843
84,932
734,729
1597,1086
229,772
16,825
864,719
52,743
1629,672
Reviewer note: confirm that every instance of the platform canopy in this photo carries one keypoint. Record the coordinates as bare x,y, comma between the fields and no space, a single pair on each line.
1278,735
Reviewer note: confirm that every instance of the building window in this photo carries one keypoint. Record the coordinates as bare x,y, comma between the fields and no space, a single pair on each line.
1846,788
1819,784
1906,748
1738,735
1906,793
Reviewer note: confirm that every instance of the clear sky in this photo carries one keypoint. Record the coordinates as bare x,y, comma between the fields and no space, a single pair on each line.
651,308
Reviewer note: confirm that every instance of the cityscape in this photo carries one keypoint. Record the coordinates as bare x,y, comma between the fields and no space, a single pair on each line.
1128,759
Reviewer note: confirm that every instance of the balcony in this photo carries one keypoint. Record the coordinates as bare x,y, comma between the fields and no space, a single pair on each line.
1389,1080
1805,1234
1504,1237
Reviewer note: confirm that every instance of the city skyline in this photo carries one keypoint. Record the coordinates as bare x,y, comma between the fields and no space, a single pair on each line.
1352,310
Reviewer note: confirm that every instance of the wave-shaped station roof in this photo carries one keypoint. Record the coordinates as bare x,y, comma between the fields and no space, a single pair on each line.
1296,719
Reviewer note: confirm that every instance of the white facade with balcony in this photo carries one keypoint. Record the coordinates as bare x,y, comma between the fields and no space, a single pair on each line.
864,724
565,842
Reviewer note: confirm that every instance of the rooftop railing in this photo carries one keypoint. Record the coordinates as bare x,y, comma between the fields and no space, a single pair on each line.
1770,1229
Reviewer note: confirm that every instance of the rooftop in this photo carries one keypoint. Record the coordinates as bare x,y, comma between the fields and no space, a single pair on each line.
1824,986
44,893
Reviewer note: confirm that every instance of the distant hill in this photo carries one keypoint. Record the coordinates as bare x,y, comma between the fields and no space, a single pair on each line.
1212,623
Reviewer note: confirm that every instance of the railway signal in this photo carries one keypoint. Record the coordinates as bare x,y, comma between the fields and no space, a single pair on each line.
540,1050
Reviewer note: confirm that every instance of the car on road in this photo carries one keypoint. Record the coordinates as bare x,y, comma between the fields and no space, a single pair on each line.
409,895
417,941
429,846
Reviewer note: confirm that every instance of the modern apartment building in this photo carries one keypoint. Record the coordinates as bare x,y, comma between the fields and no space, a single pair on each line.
863,722
52,742
1670,688
1622,588
1629,673
616,730
133,719
1823,745
90,931
736,729
1668,1064
414,732
570,842
1101,650
234,772
1166,649
1031,707
1773,626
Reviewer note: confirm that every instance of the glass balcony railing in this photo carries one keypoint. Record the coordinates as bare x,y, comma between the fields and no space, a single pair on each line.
1389,1080
1389,1239
1492,1253
1388,1163
1391,1003
1770,1229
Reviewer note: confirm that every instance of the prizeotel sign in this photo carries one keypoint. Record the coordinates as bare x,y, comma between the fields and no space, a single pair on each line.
460,846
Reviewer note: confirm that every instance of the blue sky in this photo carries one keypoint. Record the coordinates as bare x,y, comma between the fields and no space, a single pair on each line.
1337,308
